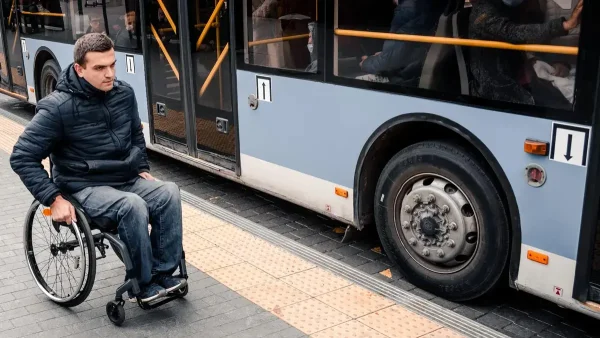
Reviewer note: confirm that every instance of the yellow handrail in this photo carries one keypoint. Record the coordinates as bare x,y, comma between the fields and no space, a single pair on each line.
43,14
164,50
285,38
459,42
217,65
209,23
167,15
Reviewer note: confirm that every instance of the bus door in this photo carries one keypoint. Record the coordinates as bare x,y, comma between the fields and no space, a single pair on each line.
191,84
12,74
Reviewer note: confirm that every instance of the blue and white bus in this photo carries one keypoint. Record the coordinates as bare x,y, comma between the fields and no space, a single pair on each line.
464,132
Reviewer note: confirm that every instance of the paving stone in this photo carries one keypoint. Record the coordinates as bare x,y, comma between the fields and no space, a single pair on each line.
494,321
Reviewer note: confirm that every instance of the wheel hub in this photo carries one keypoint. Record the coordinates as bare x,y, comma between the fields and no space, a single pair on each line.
433,224
429,226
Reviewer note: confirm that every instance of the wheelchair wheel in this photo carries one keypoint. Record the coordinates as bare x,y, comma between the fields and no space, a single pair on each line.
61,257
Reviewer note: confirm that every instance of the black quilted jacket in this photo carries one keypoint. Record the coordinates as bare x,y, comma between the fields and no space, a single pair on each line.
93,138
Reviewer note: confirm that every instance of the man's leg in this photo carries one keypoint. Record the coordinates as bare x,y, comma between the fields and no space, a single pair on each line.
130,212
164,205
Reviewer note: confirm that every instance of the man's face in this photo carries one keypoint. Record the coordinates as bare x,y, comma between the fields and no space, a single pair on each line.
99,69
129,21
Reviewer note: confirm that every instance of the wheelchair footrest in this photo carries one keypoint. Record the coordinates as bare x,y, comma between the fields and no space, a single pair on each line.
158,302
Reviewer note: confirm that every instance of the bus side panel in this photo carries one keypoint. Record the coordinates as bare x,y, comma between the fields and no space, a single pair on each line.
308,140
64,56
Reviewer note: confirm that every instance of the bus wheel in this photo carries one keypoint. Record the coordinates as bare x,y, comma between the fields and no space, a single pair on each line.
49,77
441,219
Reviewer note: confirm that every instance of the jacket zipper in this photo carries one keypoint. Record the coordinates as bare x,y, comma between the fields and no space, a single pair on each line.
109,121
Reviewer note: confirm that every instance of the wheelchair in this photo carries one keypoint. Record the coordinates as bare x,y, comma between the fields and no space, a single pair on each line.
73,247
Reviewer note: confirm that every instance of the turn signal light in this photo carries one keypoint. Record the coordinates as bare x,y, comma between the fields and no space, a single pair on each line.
341,192
536,147
537,257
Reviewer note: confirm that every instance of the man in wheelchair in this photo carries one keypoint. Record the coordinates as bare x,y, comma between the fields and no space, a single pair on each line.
90,128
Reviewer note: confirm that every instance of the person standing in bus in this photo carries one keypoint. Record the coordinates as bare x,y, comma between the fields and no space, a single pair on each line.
500,74
91,129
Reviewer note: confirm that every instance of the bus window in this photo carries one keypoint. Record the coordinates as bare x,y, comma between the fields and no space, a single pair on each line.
282,34
520,51
45,19
55,20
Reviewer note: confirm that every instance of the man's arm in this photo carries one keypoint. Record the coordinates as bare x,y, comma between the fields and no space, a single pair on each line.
491,25
35,144
137,137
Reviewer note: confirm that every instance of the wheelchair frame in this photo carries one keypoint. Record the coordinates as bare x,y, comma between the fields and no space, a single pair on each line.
114,308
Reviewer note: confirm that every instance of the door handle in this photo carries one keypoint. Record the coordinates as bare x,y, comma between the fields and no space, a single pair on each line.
253,102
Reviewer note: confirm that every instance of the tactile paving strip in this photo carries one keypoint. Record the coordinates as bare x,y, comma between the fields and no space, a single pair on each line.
351,329
355,301
408,323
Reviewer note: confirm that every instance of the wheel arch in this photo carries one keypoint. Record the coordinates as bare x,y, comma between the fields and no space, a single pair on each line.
42,55
402,131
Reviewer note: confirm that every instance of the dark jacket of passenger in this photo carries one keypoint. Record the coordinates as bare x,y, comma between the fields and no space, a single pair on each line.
93,138
496,72
402,61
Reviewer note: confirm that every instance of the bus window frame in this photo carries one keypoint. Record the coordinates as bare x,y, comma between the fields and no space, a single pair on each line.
243,41
576,115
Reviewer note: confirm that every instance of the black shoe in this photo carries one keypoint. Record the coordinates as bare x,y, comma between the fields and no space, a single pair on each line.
171,283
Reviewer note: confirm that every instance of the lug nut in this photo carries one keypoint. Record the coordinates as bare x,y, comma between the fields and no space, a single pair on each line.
408,209
445,209
431,198
453,226
406,225
440,253
451,243
417,198
412,241
425,252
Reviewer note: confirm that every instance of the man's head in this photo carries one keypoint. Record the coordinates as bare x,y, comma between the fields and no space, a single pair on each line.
95,60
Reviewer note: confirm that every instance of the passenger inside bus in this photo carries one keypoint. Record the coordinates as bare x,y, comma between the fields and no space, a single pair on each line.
126,37
507,75
401,62
96,24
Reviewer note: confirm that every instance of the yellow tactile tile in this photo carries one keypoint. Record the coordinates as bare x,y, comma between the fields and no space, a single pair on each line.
241,276
212,259
226,234
351,329
189,211
395,321
272,296
443,333
355,301
311,316
279,263
193,242
316,281
200,223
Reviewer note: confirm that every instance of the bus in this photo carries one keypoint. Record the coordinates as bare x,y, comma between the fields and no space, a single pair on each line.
464,132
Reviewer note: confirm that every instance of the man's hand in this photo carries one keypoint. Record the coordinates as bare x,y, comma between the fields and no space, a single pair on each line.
146,176
62,211
561,70
575,18
363,58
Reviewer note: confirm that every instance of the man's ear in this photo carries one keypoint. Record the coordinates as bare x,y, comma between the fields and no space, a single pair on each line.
79,69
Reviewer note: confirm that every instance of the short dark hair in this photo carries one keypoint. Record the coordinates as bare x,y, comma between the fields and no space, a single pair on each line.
91,42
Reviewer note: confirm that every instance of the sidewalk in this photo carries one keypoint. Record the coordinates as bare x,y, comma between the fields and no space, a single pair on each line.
240,286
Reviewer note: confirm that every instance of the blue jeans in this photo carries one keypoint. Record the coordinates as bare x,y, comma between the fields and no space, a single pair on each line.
132,207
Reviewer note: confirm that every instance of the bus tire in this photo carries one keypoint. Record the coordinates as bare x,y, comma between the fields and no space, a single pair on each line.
48,77
441,219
